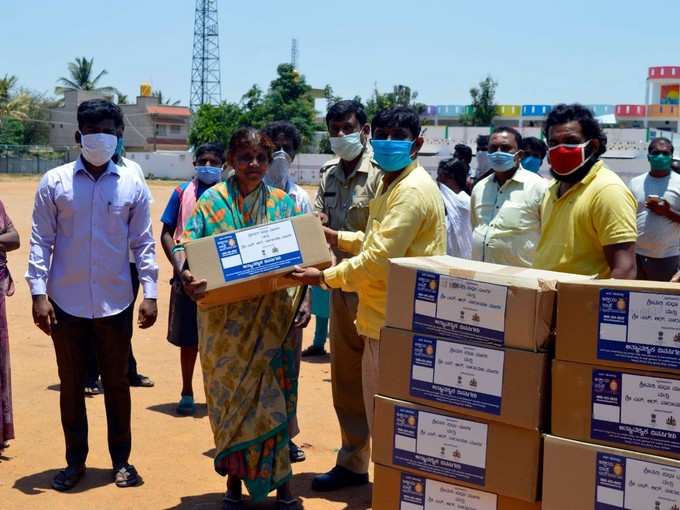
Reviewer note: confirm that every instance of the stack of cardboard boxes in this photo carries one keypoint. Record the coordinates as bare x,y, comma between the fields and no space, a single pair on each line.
615,398
463,385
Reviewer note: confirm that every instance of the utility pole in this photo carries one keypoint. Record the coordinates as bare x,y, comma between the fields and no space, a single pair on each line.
205,63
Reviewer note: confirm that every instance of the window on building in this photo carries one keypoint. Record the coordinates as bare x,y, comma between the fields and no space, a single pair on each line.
161,130
175,129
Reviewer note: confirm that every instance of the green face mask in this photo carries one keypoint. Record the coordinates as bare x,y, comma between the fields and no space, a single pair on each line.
660,161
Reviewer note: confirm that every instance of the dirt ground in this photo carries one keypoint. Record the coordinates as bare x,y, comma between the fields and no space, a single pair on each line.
173,454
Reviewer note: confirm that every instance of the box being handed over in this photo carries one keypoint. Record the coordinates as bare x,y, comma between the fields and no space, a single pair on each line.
253,261
580,475
501,306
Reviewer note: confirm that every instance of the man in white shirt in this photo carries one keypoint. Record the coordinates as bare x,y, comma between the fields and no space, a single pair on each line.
452,177
506,205
658,223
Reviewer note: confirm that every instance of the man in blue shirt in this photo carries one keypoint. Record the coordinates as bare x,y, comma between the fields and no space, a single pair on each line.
87,215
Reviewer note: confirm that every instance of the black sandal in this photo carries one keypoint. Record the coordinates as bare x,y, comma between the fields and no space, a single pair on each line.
297,454
68,478
293,504
126,476
231,503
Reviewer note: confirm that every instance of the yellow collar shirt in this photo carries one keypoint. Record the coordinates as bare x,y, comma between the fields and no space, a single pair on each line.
506,220
596,212
405,220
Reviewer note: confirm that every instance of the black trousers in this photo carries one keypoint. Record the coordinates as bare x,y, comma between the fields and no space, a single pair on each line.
92,368
73,339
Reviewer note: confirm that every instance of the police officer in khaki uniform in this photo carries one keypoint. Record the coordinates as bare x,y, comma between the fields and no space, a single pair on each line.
348,184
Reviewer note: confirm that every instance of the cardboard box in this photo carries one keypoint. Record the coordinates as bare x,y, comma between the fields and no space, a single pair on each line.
627,409
498,305
505,385
394,489
621,323
487,456
252,261
584,476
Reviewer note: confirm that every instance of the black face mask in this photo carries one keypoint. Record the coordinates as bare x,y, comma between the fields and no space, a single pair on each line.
579,174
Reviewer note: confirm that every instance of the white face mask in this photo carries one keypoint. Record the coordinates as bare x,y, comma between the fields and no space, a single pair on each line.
279,170
99,148
347,147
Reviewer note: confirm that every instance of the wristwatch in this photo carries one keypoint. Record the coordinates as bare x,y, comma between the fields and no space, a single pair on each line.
322,283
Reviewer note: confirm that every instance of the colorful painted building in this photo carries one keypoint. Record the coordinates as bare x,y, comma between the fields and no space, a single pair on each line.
661,109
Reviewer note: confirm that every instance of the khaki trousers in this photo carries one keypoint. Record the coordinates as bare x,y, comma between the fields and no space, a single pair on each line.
354,380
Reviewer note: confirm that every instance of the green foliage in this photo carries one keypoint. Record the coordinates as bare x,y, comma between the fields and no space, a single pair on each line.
288,98
483,104
215,123
161,100
325,145
401,95
82,77
11,132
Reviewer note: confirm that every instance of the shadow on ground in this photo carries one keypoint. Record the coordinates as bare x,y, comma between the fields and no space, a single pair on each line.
171,410
38,483
355,498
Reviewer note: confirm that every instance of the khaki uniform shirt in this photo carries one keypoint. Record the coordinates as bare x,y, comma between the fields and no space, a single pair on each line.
345,199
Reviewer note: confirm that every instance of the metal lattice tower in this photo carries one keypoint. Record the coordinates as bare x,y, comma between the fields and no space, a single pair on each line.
205,64
294,53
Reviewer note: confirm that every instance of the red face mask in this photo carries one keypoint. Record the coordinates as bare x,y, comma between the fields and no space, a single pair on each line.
565,159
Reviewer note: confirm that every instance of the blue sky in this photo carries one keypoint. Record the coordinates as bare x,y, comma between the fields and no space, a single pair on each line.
589,51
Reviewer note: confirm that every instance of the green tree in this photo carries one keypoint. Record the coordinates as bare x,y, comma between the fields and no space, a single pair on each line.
123,98
483,105
12,105
82,78
401,95
289,98
168,101
36,126
11,132
215,123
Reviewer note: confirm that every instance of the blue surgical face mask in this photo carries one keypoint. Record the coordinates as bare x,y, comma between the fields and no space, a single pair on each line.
532,163
209,175
501,161
120,147
392,155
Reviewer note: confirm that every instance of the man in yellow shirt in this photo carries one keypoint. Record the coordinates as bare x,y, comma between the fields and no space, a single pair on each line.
588,214
406,219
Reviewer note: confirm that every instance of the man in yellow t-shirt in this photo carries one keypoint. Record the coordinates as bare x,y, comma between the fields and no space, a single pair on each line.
589,215
406,219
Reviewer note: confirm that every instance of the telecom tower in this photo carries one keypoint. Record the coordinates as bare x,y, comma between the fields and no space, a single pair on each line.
294,53
205,63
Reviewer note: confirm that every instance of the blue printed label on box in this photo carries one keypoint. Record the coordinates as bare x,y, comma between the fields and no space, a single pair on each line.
636,410
440,444
624,483
457,374
419,493
639,327
258,250
459,308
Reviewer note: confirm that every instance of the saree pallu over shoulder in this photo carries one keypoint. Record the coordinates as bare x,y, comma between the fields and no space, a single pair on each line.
248,361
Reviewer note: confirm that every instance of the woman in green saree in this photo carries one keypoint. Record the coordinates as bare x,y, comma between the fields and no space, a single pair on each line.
246,356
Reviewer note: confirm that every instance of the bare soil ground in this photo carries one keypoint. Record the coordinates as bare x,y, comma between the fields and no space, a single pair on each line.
172,453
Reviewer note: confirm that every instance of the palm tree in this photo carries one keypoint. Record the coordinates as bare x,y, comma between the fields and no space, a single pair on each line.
13,105
81,72
169,101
